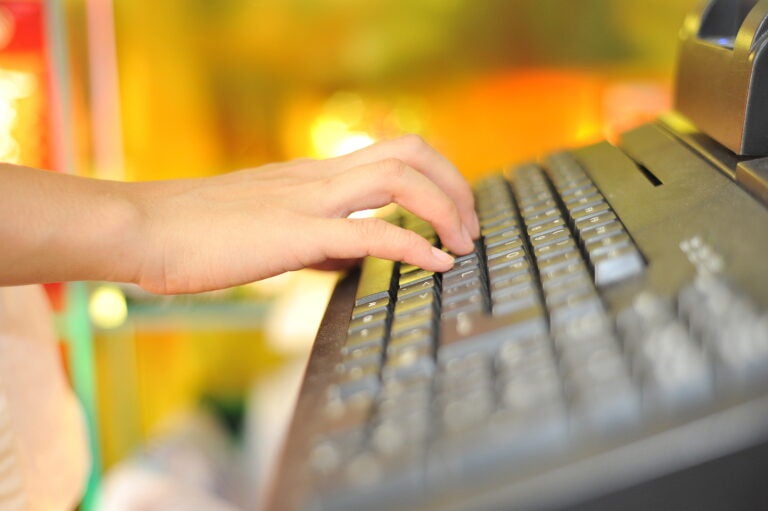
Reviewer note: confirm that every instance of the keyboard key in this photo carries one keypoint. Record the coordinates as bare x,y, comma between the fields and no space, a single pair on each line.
558,261
588,224
524,393
416,289
462,264
573,306
476,332
514,299
414,303
616,265
546,228
415,277
369,307
573,195
501,284
358,384
554,273
462,277
411,321
368,321
375,280
545,252
607,244
460,290
508,270
503,217
549,238
469,411
547,215
506,258
589,212
583,200
609,229
366,336
504,248
606,409
360,352
507,225
472,303
502,237
410,360
539,207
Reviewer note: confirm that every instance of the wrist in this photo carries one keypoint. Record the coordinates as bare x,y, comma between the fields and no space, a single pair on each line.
123,244
147,209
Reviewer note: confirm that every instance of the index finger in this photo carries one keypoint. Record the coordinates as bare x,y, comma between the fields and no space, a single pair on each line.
413,150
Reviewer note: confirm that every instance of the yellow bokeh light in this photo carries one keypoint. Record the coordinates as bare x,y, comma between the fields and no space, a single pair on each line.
346,106
107,307
8,114
14,85
326,133
351,142
332,137
337,129
10,151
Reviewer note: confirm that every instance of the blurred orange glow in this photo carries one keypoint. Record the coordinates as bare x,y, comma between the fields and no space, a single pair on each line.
496,120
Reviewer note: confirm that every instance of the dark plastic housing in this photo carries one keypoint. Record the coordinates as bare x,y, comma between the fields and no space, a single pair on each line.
722,76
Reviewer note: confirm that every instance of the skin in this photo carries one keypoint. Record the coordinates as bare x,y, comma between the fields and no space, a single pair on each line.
192,235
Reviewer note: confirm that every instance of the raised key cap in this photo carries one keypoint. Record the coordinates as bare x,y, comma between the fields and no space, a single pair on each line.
366,336
507,225
369,307
502,237
590,211
417,302
478,332
504,248
603,245
617,265
416,289
375,280
506,259
368,321
586,225
415,277
545,228
461,277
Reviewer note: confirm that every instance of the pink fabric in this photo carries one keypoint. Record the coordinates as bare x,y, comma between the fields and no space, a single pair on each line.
43,453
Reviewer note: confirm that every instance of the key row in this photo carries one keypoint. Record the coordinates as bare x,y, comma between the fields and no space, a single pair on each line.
612,254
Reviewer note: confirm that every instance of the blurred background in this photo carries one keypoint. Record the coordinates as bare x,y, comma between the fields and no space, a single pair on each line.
188,396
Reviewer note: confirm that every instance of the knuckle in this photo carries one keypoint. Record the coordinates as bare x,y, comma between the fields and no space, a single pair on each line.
370,228
414,142
394,169
376,233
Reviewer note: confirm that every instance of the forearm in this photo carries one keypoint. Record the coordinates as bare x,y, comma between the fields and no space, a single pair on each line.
56,227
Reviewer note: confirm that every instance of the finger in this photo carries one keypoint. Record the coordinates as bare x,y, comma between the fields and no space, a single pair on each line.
345,238
414,151
381,183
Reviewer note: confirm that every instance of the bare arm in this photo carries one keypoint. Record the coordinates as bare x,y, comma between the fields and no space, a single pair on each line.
200,234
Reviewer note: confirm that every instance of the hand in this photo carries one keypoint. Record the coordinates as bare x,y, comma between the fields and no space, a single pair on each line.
190,235
217,232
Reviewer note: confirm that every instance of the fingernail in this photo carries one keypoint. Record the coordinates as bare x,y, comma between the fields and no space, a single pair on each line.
441,256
